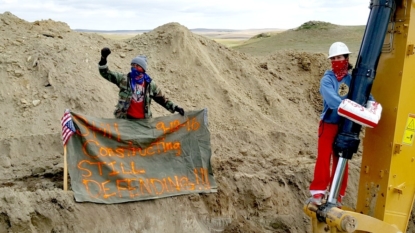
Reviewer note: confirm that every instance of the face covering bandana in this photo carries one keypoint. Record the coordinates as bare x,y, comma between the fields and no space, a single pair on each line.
143,77
340,68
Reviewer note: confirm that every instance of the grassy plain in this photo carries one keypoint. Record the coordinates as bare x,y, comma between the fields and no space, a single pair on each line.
229,38
117,36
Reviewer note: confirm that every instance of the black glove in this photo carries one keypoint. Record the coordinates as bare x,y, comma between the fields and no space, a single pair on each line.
104,54
179,110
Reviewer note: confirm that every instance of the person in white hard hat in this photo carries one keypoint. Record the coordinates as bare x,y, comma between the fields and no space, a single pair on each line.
334,87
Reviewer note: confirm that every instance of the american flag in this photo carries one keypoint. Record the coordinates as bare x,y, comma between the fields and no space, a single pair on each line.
68,127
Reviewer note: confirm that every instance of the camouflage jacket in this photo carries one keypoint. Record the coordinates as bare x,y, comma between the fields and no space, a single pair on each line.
125,94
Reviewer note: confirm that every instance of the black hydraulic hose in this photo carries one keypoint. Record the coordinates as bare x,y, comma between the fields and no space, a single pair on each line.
347,140
370,50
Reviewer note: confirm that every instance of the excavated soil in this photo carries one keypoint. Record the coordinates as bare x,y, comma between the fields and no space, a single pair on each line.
263,118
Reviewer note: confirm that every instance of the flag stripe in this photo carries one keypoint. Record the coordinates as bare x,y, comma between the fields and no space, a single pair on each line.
68,128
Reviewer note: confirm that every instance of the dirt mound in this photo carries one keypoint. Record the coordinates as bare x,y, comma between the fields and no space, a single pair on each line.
263,117
316,25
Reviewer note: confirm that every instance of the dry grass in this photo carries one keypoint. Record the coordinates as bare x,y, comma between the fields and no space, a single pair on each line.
228,38
308,40
114,36
237,38
230,42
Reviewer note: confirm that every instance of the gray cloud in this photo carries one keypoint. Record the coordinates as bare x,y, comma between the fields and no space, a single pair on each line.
332,4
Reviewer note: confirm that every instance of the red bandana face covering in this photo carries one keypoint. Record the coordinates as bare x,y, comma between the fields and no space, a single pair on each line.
139,69
340,68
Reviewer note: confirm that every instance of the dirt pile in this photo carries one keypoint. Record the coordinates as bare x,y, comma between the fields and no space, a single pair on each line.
263,116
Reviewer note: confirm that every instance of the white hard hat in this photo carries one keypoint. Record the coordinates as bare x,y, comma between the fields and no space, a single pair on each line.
338,48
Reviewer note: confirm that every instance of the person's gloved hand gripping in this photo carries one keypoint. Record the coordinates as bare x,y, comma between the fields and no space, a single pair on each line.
179,110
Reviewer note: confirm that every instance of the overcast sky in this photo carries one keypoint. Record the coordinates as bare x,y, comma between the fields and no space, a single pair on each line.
213,14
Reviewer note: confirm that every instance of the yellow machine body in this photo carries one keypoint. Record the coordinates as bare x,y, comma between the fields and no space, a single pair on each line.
387,177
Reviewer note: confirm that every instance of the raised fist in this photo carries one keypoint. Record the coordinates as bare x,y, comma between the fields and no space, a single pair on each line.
105,52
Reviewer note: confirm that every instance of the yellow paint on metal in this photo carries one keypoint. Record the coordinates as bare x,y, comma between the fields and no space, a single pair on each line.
387,191
409,133
338,220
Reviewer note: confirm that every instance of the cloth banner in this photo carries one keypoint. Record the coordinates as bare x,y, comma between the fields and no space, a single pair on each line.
116,160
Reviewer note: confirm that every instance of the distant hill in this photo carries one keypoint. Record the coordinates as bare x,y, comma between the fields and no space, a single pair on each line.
313,36
112,31
215,34
195,30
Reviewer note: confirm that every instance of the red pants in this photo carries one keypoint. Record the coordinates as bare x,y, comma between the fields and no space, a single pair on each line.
327,133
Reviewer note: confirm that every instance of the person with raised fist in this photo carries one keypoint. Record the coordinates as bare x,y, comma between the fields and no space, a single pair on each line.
137,89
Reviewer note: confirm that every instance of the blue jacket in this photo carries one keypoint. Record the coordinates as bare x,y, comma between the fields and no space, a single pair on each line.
333,93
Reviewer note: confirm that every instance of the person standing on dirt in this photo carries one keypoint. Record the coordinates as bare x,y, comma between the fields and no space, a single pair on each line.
334,87
136,89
